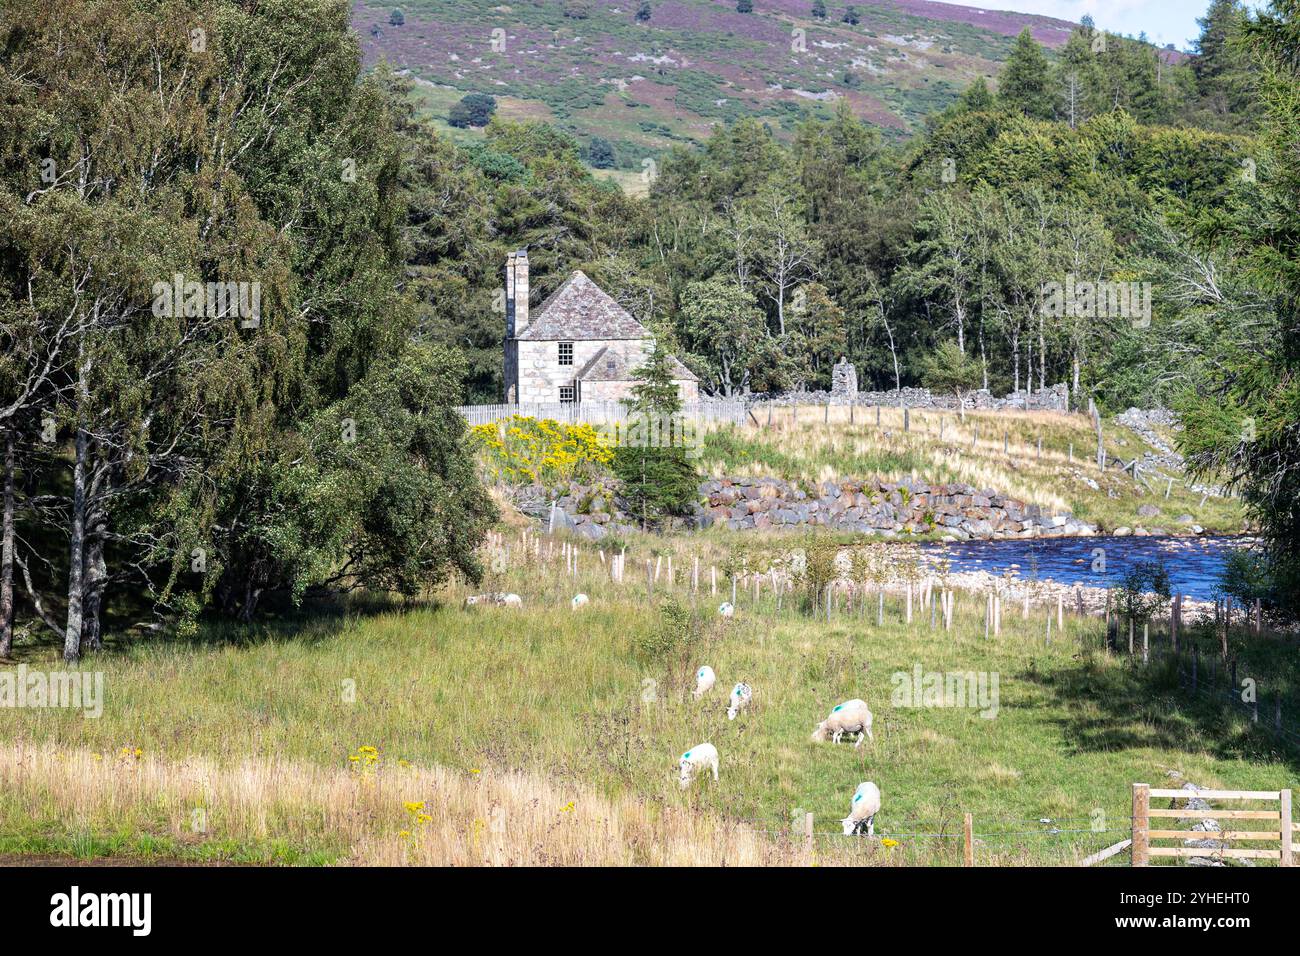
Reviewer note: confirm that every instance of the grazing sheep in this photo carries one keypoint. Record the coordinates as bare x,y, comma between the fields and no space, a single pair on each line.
726,609
498,598
862,810
704,678
850,717
696,760
741,695
579,601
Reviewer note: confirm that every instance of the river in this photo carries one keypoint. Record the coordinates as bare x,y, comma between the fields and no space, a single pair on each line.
1194,564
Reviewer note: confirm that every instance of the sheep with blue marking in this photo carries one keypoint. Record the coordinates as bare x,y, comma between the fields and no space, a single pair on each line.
704,680
579,602
741,695
850,717
862,810
726,609
695,761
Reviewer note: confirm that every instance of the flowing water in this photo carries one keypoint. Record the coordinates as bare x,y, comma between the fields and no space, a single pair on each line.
1193,564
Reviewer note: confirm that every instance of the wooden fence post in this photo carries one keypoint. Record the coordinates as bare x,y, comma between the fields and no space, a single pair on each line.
968,840
1288,836
1141,823
808,836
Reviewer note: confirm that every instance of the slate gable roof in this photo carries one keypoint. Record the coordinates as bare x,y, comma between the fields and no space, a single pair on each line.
580,310
607,366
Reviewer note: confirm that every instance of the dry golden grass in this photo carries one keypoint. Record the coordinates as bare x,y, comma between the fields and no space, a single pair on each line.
384,815
996,450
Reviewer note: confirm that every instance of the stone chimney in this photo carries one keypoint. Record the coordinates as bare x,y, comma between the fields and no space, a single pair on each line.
516,293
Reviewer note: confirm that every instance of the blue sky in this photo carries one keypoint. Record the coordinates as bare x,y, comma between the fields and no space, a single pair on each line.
1165,21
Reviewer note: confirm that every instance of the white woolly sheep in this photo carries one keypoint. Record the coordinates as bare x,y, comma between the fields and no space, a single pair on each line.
741,695
726,609
704,678
497,598
862,810
696,760
850,717
579,601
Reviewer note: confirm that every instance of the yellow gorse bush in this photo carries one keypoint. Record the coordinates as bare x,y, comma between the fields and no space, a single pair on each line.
523,450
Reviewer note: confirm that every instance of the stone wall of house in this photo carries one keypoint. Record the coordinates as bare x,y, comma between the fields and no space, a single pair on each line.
541,374
870,507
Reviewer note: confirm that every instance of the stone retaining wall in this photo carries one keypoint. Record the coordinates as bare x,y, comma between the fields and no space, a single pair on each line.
1055,398
871,507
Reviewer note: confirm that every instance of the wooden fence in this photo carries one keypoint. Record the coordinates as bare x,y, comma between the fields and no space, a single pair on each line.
596,413
1275,822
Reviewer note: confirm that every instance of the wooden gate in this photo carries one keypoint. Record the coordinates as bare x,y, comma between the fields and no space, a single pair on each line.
1271,824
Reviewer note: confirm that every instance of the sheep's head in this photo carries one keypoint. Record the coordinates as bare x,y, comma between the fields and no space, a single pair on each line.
684,770
819,733
731,712
850,826
472,600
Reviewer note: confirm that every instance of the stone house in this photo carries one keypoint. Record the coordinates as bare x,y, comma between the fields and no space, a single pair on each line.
580,345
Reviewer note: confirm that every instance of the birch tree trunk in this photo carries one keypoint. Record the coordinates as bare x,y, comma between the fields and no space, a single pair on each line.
1042,353
96,573
76,552
7,550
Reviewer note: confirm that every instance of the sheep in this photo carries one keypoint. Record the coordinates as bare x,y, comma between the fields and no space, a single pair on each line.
741,695
862,810
704,678
726,609
695,760
850,717
498,598
579,601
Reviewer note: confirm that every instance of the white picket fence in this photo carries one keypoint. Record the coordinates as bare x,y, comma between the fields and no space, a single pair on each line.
596,413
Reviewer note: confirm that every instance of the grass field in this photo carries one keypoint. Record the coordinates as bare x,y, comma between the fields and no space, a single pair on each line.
547,735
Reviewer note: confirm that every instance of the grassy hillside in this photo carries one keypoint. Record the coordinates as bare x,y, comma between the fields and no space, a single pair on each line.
591,709
591,67
989,450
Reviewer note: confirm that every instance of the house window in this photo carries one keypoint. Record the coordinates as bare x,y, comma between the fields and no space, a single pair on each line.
568,393
566,353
